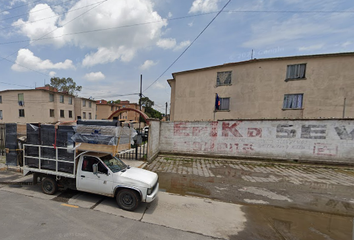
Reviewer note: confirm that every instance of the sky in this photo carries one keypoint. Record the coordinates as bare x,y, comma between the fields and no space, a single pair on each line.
106,45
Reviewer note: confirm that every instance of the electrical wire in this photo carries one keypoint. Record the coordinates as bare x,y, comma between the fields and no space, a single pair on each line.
105,29
38,20
10,9
157,21
6,58
185,50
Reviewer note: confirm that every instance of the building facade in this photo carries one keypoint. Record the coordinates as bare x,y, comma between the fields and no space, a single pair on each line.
298,87
40,105
85,108
106,109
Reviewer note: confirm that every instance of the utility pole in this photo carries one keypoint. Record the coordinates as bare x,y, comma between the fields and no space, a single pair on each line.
166,111
140,95
141,90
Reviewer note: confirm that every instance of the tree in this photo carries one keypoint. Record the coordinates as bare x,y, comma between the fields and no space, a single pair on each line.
65,85
147,103
114,101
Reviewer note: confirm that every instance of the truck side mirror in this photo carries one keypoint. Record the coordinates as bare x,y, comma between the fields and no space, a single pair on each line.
95,168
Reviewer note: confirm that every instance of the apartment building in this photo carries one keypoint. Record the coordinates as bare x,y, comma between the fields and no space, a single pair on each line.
85,108
106,108
43,105
299,87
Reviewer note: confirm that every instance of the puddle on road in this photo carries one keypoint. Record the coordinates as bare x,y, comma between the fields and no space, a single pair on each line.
175,183
267,222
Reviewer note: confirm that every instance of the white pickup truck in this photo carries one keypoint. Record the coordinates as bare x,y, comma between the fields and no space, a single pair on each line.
93,172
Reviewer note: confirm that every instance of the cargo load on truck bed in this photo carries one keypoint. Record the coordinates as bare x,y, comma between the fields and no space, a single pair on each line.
55,147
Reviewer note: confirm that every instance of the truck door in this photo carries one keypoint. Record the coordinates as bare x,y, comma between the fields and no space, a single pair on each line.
100,183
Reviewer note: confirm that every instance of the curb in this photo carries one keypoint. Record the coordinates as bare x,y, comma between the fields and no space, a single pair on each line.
11,169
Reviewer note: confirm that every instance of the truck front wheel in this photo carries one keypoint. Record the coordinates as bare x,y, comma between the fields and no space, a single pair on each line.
49,186
127,199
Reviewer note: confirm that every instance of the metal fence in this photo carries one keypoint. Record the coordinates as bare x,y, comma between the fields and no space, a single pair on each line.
137,153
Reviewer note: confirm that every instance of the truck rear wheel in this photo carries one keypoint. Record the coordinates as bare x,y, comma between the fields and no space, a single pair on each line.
127,199
49,186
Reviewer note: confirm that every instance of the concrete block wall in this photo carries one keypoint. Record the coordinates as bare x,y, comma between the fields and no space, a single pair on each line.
315,140
154,140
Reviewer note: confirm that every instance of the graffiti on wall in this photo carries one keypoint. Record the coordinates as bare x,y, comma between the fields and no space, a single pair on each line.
316,138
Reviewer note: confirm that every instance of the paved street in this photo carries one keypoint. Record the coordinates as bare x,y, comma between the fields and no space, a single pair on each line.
202,199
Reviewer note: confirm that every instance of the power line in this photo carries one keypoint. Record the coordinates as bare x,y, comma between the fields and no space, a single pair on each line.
72,10
15,84
6,58
157,21
9,9
105,29
185,50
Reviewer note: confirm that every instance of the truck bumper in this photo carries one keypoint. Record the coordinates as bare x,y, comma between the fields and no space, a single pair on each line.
152,196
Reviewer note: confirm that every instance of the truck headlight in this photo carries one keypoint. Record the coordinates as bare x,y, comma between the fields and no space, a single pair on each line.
149,191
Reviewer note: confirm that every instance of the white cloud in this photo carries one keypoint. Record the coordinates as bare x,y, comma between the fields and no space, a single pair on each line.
159,85
117,43
312,47
346,44
52,73
169,15
204,6
106,55
182,45
147,64
26,61
170,43
166,43
190,24
5,13
94,76
41,24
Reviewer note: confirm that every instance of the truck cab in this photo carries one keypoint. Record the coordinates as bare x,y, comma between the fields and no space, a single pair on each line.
107,175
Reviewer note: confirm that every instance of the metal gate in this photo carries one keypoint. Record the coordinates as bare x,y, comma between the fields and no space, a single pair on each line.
139,149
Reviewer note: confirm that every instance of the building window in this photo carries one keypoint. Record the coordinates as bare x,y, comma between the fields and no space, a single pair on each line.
293,101
0,114
90,104
84,115
296,71
51,112
84,103
223,78
70,114
0,99
90,116
21,99
51,97
111,108
62,114
21,112
70,100
61,98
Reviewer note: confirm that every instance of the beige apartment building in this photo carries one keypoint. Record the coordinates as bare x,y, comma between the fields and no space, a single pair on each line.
85,108
41,105
106,109
312,86
35,105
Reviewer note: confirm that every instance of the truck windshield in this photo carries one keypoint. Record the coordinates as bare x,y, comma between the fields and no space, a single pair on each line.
115,164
